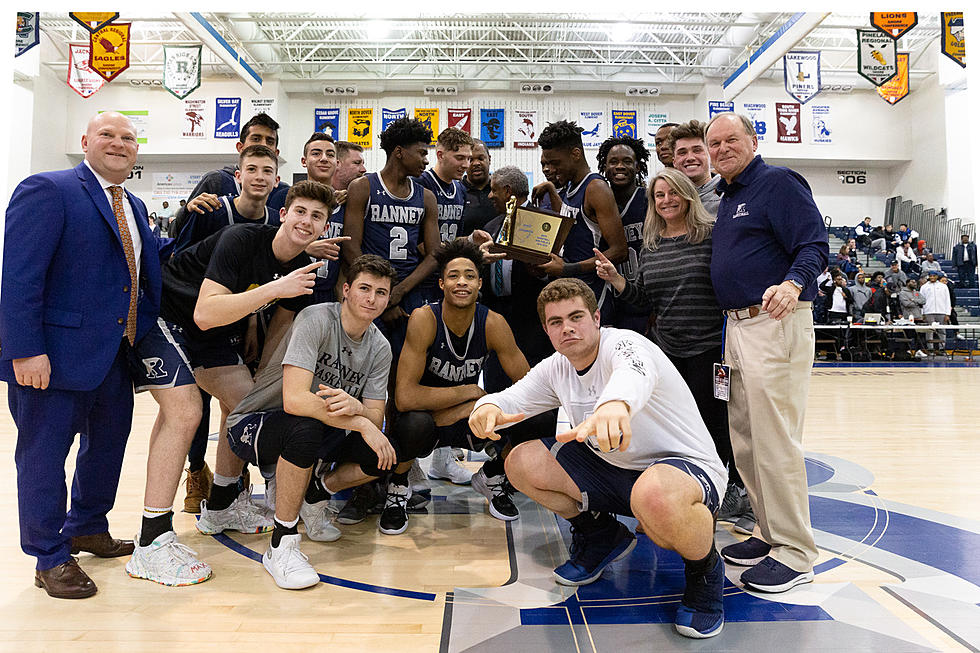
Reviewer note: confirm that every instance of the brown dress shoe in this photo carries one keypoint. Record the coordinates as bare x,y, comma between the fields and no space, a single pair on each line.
102,544
198,487
66,581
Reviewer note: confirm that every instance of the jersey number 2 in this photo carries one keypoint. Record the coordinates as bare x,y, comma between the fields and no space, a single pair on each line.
399,238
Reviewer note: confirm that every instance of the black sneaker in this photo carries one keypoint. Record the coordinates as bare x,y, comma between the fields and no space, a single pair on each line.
593,551
394,517
735,503
746,554
701,613
362,500
419,500
497,490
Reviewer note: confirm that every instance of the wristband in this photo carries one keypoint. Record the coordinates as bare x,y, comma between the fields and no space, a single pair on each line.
570,269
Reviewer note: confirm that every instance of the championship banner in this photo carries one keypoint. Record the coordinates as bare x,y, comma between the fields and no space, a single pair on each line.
655,120
193,128
257,105
821,124
181,69
525,128
389,116
788,122
28,31
623,124
327,121
227,117
801,74
460,119
756,112
877,60
109,54
82,79
953,42
359,123
715,107
894,23
593,129
897,87
492,127
93,21
429,118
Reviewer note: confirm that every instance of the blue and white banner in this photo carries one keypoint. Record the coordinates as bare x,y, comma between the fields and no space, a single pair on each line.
716,106
756,112
801,74
28,31
327,121
227,117
389,116
492,127
655,120
593,124
821,124
623,124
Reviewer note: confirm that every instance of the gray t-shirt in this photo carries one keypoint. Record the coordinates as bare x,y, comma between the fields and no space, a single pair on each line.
317,342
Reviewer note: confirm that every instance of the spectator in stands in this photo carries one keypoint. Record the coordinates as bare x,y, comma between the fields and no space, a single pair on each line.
912,301
930,264
885,301
909,261
846,262
936,309
965,260
861,292
862,232
943,279
819,303
895,274
838,300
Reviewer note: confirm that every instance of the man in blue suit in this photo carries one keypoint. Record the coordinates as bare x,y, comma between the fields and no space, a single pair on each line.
81,284
965,260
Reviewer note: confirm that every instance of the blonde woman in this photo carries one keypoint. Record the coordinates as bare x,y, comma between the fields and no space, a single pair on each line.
674,283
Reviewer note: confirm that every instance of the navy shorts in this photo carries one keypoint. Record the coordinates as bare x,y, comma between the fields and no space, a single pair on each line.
607,488
166,357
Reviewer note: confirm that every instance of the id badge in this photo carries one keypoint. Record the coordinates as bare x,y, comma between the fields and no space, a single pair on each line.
722,380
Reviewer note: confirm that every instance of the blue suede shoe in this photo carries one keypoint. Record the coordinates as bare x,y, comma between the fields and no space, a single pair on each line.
702,610
592,552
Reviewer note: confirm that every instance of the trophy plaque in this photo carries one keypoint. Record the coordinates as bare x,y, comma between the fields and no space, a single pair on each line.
531,235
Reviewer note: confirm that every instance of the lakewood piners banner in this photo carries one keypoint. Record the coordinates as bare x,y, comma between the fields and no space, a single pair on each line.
181,69
110,50
801,74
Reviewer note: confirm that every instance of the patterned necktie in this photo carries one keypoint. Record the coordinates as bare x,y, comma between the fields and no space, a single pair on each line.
127,243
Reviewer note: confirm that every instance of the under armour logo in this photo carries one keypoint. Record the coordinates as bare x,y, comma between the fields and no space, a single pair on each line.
347,350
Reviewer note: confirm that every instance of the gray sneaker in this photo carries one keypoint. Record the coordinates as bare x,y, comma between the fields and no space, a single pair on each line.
735,503
745,524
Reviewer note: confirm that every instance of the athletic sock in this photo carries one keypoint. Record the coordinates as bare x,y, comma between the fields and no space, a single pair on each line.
281,529
156,522
398,479
315,492
591,520
702,566
194,466
224,491
493,467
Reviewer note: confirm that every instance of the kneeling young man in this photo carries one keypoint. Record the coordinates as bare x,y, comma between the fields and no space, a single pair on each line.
327,378
638,448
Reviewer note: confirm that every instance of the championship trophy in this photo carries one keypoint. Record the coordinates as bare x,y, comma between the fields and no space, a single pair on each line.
531,235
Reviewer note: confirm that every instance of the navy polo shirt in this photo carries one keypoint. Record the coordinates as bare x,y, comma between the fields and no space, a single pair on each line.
768,230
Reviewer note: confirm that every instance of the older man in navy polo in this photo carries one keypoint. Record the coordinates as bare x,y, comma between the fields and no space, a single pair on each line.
769,244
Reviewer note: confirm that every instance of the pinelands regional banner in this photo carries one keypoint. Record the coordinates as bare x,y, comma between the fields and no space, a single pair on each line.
877,57
28,31
821,124
525,128
82,79
429,118
359,123
801,74
194,115
756,112
461,119
592,124
181,69
227,117
897,87
716,106
109,53
492,127
389,116
327,121
788,122
623,124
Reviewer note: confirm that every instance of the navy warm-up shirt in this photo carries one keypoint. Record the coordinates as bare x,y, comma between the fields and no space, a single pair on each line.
769,230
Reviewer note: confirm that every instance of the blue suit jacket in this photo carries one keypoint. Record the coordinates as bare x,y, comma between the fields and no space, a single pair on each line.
65,289
958,252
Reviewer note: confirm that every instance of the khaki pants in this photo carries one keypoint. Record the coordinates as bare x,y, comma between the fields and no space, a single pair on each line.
771,362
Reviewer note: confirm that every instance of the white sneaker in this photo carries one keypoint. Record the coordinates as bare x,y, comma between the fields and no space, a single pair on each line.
289,566
445,466
242,516
317,519
921,354
168,562
270,496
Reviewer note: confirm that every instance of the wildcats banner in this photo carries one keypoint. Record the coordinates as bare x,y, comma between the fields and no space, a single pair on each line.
429,118
894,23
389,116
623,124
227,117
359,122
715,107
594,129
327,121
110,50
194,115
82,79
93,21
953,41
181,69
756,112
28,31
788,122
897,87
492,127
801,74
877,56
821,124
461,119
525,128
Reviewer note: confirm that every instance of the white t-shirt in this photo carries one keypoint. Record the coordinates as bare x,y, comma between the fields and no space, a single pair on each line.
665,421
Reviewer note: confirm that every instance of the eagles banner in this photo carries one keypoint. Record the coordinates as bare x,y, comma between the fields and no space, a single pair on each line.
788,122
389,116
801,74
359,129
181,69
492,127
894,23
897,87
82,79
715,107
429,118
109,54
953,40
593,130
327,121
821,124
28,31
623,124
877,60
756,112
93,21
525,128
460,119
